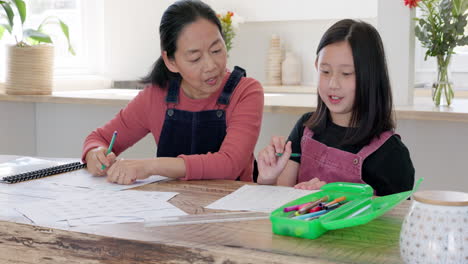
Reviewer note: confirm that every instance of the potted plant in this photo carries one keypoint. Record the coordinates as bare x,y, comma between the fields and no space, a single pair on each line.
440,30
30,60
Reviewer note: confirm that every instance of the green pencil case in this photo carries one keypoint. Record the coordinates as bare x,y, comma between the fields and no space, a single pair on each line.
360,208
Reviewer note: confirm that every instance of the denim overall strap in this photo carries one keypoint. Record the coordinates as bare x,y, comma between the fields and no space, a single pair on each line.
186,132
375,144
173,92
231,83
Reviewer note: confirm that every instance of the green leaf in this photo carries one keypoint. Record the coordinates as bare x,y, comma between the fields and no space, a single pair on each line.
2,30
9,12
7,27
37,35
21,6
463,41
64,28
65,31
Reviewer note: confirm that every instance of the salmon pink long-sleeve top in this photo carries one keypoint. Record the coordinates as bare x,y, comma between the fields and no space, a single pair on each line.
146,112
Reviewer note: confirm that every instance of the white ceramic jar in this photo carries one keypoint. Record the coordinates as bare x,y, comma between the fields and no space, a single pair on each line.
436,228
291,70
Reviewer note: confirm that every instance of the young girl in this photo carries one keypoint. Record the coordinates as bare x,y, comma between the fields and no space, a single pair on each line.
350,137
204,119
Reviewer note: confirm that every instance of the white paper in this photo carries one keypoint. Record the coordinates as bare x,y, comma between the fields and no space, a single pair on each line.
102,207
9,202
23,164
82,178
76,198
12,165
41,189
258,198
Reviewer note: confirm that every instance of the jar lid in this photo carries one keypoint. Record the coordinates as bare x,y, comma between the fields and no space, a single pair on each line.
449,198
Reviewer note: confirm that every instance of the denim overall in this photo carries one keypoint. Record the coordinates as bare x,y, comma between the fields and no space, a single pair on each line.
188,133
332,164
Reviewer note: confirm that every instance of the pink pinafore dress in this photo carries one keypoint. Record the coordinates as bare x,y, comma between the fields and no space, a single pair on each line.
332,164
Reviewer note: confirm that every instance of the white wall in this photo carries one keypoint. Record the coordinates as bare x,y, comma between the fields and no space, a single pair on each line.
250,47
131,38
131,42
279,10
65,138
17,128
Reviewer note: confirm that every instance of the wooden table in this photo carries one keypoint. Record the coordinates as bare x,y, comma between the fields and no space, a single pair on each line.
224,242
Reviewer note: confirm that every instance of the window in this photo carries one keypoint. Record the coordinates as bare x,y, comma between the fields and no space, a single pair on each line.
81,17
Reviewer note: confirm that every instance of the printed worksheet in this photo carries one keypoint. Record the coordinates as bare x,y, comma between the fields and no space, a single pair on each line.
258,198
101,207
82,178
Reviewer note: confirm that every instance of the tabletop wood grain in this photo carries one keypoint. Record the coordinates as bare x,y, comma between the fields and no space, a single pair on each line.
249,241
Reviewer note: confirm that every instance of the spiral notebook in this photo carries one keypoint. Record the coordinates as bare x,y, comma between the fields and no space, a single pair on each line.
28,168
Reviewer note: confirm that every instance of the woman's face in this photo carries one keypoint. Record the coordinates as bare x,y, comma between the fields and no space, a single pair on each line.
337,81
200,59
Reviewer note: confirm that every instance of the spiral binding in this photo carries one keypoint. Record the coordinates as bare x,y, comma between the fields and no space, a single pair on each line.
44,172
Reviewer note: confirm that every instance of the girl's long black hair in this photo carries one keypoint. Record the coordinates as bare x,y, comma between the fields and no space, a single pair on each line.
373,106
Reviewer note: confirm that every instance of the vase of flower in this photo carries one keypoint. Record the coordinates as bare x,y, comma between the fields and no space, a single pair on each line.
230,22
442,89
440,29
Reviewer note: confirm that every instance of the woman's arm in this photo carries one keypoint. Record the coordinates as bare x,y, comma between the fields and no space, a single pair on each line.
131,124
128,171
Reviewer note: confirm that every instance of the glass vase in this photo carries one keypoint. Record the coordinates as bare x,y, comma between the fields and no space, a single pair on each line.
442,90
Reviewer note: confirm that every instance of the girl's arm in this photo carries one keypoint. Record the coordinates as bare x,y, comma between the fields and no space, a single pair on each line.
277,170
289,175
270,166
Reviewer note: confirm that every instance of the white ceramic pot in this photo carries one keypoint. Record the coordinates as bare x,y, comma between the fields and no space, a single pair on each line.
436,228
291,70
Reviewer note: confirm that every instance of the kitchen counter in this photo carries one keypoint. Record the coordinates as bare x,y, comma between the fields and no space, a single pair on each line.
289,103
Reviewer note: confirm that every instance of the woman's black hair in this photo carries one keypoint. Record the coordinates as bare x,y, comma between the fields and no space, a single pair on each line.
174,20
372,111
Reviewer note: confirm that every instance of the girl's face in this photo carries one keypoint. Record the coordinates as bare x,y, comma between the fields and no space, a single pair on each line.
200,59
337,81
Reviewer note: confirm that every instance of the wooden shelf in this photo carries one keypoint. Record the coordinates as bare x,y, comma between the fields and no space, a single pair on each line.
275,102
289,89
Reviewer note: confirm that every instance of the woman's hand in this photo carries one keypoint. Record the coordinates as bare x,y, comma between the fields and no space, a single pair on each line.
270,166
313,184
128,171
96,157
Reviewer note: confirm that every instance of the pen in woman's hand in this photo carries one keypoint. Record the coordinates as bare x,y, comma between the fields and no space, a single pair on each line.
109,150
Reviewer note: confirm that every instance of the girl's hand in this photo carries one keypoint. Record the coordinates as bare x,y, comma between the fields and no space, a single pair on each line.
96,157
128,171
313,184
270,166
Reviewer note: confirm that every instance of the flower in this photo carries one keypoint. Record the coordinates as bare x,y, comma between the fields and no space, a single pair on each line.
411,3
440,29
229,23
